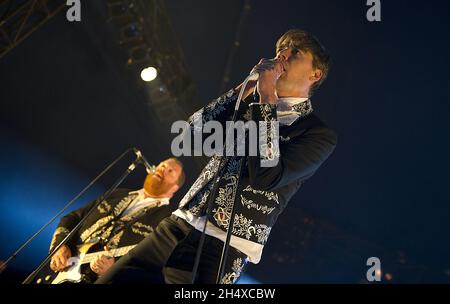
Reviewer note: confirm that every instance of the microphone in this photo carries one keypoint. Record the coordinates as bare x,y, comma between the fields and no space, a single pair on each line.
149,168
253,76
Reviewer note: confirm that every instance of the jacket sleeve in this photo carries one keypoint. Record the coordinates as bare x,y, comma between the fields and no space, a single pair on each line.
219,109
66,224
297,160
69,221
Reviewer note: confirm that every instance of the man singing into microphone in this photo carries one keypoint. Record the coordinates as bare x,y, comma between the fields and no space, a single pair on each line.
125,218
284,88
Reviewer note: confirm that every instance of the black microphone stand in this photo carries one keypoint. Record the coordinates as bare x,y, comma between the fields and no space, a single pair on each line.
14,255
222,164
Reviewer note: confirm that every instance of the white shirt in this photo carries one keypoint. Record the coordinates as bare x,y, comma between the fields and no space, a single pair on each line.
286,115
251,249
142,202
292,101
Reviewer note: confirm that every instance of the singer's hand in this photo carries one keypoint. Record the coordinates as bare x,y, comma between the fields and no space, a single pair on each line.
269,71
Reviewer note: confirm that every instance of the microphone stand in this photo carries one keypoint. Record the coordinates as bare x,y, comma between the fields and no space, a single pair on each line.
226,246
222,164
13,256
130,168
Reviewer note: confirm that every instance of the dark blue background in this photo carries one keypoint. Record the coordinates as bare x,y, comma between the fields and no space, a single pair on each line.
69,107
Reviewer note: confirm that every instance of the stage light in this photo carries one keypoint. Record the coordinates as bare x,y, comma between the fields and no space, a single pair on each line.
149,74
378,273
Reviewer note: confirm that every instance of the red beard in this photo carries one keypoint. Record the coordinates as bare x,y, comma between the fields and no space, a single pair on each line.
155,186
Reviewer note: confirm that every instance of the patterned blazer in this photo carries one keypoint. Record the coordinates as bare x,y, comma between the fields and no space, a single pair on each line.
262,192
107,225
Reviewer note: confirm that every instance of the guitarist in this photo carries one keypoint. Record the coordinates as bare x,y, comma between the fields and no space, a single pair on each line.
124,219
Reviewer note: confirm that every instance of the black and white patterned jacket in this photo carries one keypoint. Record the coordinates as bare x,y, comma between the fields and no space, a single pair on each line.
106,222
262,192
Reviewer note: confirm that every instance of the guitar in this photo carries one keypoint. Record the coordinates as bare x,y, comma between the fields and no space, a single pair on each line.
77,271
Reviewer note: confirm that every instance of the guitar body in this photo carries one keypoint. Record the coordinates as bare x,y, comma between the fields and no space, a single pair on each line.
78,269
77,272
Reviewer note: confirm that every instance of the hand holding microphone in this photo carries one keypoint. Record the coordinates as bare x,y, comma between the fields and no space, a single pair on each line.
267,72
263,78
266,65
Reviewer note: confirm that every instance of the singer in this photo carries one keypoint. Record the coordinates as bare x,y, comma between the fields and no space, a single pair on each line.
122,220
284,87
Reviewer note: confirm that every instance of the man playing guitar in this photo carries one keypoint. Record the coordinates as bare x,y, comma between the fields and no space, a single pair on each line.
116,226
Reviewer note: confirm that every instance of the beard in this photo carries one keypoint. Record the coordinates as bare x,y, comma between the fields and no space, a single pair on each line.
154,186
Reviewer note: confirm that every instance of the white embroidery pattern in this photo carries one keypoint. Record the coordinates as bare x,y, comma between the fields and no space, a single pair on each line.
196,121
266,111
224,199
123,204
269,143
247,115
243,226
205,176
262,232
104,207
268,136
201,198
114,242
142,229
199,192
227,194
100,234
100,223
213,109
303,108
250,204
231,277
270,195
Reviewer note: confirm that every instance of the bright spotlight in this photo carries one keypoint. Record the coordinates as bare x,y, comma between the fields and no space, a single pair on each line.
149,74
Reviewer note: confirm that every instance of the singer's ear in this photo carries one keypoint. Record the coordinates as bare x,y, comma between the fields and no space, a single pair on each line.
316,75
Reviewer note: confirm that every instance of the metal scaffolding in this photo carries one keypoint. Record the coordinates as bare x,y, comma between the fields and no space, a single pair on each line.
19,19
145,32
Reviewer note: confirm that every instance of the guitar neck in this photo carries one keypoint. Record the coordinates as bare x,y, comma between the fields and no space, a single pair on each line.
112,253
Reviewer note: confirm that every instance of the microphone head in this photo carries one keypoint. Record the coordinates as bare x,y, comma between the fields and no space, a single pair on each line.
253,76
150,170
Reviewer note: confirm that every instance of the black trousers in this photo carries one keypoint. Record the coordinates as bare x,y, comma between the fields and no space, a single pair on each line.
167,255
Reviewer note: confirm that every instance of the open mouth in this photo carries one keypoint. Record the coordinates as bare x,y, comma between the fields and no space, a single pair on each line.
158,175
